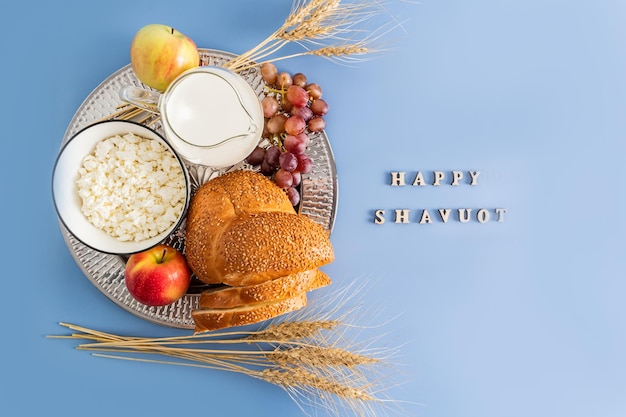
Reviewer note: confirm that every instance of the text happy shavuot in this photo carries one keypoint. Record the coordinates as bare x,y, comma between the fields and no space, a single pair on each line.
426,216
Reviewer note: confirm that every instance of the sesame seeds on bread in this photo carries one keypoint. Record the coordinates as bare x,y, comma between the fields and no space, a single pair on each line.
242,230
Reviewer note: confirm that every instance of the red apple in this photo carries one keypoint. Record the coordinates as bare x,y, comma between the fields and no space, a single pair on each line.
159,54
157,276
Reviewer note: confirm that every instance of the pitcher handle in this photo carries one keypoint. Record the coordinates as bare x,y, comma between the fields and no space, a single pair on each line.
142,98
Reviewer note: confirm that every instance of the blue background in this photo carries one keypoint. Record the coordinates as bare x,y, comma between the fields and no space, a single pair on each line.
520,318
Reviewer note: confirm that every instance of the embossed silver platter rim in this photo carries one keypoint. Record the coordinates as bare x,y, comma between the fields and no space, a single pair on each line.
319,199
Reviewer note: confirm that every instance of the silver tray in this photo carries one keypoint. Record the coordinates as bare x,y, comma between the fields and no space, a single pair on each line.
106,272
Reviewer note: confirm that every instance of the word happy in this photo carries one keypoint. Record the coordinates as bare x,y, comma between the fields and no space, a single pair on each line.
425,216
399,178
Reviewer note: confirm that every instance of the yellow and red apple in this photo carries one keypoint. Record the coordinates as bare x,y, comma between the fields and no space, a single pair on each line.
157,276
160,53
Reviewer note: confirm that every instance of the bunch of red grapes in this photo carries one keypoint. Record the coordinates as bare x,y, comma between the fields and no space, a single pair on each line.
293,109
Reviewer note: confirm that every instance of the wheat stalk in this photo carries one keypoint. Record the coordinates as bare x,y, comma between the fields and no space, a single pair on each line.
322,20
287,331
127,111
320,357
307,353
293,378
327,26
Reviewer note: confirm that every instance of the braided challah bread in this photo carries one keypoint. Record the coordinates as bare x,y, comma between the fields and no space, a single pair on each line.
242,232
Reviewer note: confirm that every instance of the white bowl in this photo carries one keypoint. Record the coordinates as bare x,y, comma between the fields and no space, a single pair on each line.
68,203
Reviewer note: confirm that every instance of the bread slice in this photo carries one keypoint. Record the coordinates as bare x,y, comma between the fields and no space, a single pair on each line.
273,290
214,319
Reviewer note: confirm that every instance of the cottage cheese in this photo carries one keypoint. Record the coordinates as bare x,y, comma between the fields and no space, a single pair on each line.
131,187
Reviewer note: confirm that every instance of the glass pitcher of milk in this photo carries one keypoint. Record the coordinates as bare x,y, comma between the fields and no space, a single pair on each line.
210,115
